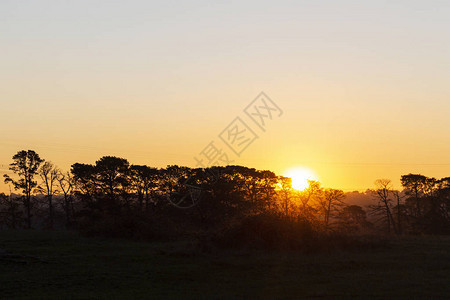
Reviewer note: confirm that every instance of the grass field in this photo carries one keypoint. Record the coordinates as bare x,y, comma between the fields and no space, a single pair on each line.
61,265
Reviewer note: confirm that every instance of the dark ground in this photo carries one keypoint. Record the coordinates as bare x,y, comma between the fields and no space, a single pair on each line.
61,265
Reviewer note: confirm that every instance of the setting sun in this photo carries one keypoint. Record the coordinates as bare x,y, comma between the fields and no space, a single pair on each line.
300,177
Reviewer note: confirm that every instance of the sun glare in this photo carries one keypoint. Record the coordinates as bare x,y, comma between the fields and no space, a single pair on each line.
300,177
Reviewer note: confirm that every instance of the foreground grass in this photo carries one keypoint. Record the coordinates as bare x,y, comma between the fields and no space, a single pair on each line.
73,267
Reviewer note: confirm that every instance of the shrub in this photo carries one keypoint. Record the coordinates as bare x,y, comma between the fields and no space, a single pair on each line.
130,226
274,233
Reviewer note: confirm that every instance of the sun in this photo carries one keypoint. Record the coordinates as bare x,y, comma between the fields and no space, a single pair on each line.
300,177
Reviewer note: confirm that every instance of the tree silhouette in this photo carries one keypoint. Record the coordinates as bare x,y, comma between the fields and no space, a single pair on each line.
382,194
103,184
308,198
353,218
66,185
416,186
286,195
114,197
10,214
49,174
331,201
25,166
143,179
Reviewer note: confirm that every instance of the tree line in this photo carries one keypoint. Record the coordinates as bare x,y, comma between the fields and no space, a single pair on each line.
423,206
115,197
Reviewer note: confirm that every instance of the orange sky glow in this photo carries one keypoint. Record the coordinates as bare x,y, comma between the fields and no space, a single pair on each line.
363,86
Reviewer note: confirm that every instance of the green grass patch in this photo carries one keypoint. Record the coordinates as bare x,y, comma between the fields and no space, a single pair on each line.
63,265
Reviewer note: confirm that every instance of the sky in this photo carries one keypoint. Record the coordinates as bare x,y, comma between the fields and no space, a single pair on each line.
363,85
